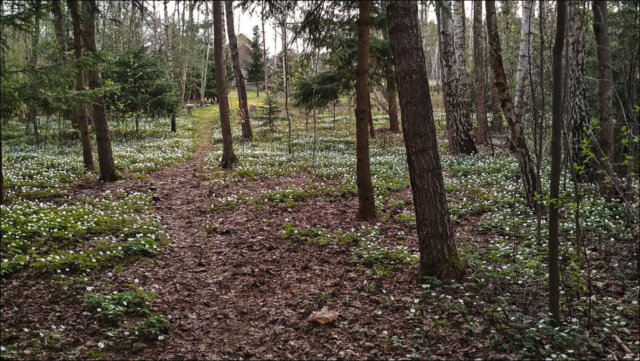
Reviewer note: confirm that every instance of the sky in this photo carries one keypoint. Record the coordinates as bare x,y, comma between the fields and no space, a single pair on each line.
244,23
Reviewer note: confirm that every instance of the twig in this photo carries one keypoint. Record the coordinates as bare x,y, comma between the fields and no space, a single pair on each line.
622,345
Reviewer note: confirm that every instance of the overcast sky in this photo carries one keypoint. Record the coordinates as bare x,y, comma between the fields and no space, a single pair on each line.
244,23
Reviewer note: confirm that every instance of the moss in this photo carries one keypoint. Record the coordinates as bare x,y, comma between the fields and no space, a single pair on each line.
449,267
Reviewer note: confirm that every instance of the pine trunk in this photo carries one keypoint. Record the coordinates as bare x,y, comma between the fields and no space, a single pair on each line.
604,151
228,156
579,116
243,107
438,253
478,60
455,94
515,123
366,207
57,9
556,164
108,171
81,110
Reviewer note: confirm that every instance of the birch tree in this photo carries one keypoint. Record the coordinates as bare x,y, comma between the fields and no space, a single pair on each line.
515,123
479,64
454,92
523,78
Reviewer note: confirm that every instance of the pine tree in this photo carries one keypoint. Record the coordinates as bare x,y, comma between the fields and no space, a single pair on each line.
255,64
270,107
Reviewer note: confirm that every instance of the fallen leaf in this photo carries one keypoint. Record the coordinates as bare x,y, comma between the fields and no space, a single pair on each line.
323,316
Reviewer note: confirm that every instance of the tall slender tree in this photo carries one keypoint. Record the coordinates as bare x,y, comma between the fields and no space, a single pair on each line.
366,207
285,69
81,110
228,156
32,110
438,253
604,149
478,64
455,93
523,79
243,107
57,10
205,67
556,163
515,123
392,89
108,171
264,48
167,34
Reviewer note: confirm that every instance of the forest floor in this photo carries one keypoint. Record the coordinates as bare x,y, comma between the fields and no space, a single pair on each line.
245,256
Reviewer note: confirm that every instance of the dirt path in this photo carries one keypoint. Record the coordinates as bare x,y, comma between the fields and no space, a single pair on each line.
239,292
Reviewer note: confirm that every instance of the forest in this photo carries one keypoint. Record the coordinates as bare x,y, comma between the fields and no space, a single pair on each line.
278,179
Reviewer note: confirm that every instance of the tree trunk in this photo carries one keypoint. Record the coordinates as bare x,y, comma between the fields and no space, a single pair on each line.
228,156
392,90
447,114
285,76
168,37
457,14
203,83
243,107
156,32
496,117
61,35
579,117
556,163
81,110
604,151
478,60
1,171
264,50
455,94
438,253
183,60
515,124
523,78
33,62
366,207
108,171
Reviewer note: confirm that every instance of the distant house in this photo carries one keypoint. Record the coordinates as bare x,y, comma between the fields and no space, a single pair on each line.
244,48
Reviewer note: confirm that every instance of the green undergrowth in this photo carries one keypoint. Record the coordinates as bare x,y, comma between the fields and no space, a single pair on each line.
52,168
285,198
78,235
